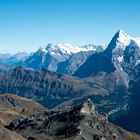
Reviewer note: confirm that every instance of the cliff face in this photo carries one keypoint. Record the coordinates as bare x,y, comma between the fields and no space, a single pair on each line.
80,122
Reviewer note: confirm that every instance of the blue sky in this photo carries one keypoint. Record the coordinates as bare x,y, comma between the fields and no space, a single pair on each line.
26,25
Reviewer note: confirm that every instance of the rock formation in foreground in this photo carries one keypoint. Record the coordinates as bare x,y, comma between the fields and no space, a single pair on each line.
80,122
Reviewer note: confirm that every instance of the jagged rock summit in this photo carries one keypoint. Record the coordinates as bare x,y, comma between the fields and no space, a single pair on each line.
80,122
88,107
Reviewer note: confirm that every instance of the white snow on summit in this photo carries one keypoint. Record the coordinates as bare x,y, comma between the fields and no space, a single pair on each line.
137,40
124,39
65,48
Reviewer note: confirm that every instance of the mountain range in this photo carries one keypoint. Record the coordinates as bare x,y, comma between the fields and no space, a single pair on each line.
58,75
55,57
9,59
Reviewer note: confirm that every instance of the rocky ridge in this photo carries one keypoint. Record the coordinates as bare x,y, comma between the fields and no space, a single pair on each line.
79,122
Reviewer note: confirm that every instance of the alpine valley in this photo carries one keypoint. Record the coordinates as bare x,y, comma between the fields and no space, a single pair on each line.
61,77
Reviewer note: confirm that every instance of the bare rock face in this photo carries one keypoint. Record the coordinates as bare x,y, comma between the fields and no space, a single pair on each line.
88,107
80,122
6,134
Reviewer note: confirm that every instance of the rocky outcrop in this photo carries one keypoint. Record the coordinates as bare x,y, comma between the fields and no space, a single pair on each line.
80,122
88,107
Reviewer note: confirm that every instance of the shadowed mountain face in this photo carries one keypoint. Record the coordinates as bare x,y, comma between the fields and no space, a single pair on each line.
13,106
80,122
91,67
99,62
133,114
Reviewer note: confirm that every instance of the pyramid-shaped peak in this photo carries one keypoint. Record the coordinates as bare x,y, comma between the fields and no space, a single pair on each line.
121,31
121,34
122,38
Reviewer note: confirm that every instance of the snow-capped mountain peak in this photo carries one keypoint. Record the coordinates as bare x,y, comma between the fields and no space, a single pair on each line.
137,41
52,54
59,49
123,39
122,33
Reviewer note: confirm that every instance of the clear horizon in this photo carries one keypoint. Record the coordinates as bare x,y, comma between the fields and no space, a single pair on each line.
28,24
